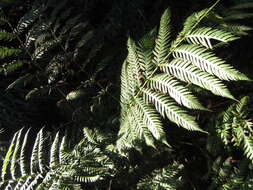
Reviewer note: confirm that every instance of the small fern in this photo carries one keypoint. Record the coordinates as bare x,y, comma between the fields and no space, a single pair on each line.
231,174
165,178
235,128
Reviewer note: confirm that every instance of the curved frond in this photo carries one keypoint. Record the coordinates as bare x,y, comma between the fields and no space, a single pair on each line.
208,62
28,19
24,164
187,72
166,178
54,159
169,84
16,152
133,60
166,107
145,53
163,40
151,119
204,35
8,157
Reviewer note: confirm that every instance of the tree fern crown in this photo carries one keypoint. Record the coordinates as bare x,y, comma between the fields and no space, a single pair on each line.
153,78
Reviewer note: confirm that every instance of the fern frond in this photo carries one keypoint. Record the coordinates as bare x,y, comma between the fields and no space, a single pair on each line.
62,149
248,146
29,18
137,132
8,157
169,84
23,158
208,62
165,178
192,63
86,163
189,25
235,128
15,156
11,67
204,35
54,159
166,107
241,106
163,40
6,36
6,52
133,60
144,47
41,147
151,119
34,156
126,87
187,72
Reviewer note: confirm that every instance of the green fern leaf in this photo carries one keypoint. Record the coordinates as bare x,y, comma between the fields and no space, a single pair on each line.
143,130
7,36
28,19
15,156
63,148
246,141
151,119
187,72
23,159
34,156
241,106
10,67
204,35
145,54
133,60
41,156
168,84
208,62
126,87
8,155
163,40
166,107
6,52
54,160
248,147
189,25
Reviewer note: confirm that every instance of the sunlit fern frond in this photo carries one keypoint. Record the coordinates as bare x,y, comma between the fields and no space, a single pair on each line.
169,84
160,79
185,71
163,40
204,35
208,62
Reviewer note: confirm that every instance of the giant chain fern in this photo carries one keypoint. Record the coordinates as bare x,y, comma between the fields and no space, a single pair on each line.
156,70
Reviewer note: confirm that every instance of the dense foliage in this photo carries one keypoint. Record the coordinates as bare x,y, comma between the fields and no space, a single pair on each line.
126,95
